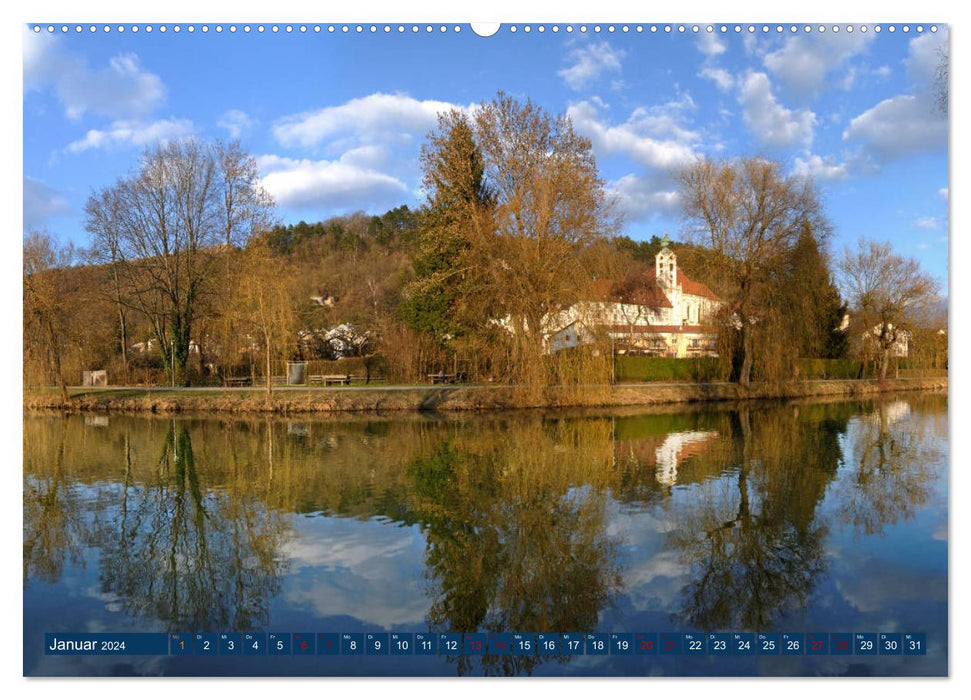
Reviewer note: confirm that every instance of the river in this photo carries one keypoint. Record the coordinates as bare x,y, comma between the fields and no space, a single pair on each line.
803,517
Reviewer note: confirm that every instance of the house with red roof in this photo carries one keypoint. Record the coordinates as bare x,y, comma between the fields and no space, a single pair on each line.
664,313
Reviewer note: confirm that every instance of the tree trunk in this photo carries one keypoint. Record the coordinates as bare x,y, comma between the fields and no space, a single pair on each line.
884,363
56,360
745,373
124,344
269,378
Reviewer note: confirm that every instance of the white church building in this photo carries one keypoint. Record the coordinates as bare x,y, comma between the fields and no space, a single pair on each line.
665,316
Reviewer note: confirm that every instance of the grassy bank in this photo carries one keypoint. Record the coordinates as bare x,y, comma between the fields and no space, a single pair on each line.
459,398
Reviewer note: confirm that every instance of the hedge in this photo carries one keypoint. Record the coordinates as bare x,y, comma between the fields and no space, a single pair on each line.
633,368
638,368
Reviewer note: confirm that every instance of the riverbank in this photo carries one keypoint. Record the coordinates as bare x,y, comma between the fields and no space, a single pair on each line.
292,401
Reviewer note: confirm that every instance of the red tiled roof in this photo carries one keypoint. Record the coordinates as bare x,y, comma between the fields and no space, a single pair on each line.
643,294
688,286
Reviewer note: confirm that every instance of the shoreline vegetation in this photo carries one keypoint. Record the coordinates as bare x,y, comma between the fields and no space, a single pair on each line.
451,398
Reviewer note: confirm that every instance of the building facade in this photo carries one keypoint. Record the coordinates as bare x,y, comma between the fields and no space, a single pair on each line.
664,314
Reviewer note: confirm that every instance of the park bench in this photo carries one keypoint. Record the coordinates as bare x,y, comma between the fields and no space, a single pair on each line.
342,379
441,378
239,381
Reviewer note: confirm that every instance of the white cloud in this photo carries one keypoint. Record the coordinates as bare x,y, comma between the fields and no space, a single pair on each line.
820,169
710,45
898,127
773,124
339,184
804,61
374,156
122,134
644,197
378,117
905,125
721,77
929,223
119,90
589,63
654,137
236,122
943,193
41,204
923,58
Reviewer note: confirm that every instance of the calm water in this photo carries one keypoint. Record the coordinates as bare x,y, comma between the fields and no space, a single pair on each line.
810,517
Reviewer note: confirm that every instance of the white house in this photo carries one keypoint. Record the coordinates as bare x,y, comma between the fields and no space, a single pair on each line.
664,315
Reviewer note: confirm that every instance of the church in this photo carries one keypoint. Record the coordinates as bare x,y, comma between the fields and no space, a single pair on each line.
664,315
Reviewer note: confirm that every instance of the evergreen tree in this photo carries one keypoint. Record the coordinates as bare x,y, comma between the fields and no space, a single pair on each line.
815,301
457,201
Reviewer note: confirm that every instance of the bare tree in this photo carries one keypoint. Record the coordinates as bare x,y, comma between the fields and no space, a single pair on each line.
750,215
103,223
165,228
47,303
886,292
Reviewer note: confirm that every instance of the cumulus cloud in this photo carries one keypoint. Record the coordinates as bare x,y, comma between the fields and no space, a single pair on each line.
330,184
773,124
942,193
646,196
122,89
804,62
923,57
655,137
377,117
122,134
820,169
41,204
905,125
588,63
236,122
898,127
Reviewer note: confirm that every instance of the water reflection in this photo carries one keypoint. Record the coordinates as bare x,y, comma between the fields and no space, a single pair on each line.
216,525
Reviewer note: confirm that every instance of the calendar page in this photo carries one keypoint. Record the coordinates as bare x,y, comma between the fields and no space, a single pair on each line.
459,350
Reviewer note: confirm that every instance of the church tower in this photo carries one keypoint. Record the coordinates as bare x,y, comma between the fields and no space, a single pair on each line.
666,266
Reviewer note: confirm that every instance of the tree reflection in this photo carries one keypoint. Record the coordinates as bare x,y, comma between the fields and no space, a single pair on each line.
193,559
513,541
751,538
54,529
890,466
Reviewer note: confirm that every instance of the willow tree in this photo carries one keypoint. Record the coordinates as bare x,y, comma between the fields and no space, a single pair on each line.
548,205
261,307
166,226
750,215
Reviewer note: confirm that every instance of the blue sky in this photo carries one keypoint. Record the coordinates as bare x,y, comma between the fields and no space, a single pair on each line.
336,120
